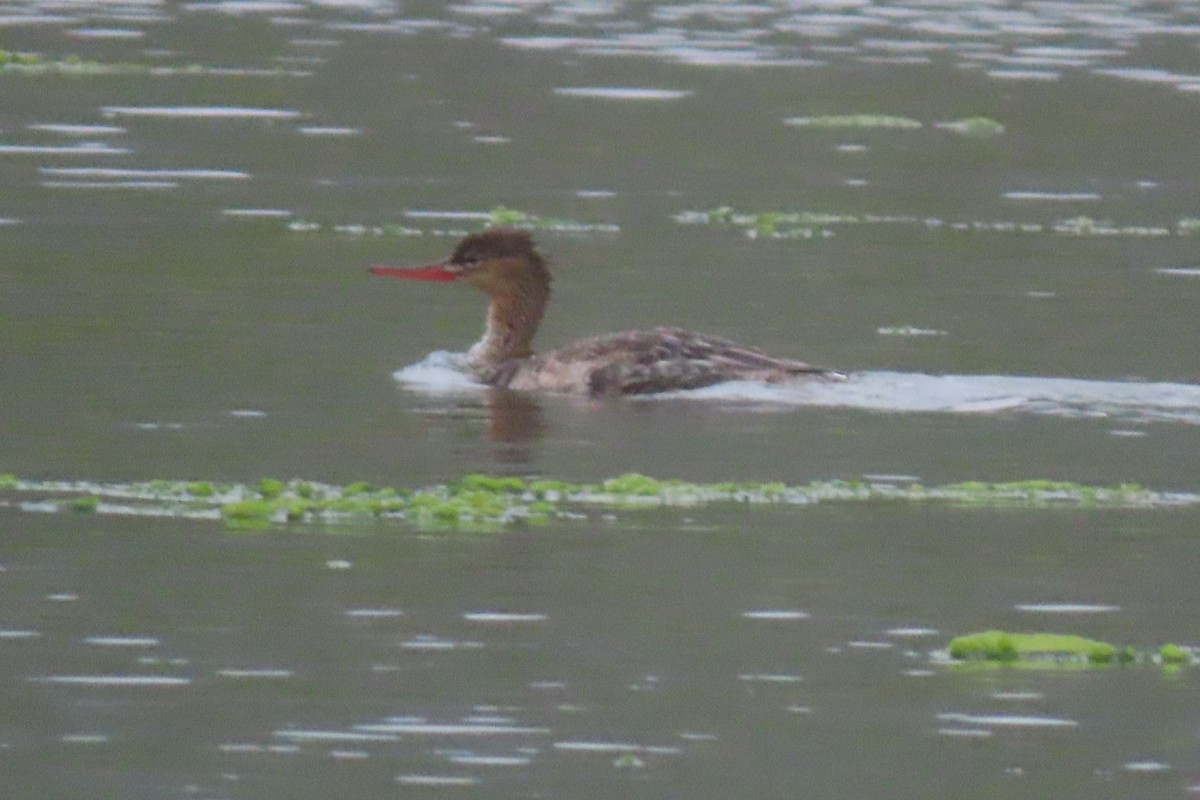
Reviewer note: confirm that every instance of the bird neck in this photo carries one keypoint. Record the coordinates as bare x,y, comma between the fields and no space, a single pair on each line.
512,321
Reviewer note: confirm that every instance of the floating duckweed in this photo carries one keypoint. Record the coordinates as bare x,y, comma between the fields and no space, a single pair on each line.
447,513
487,501
769,224
86,504
498,216
1086,226
856,121
298,510
31,64
1050,650
992,645
248,511
491,483
11,58
1007,647
541,508
633,483
544,489
817,225
1174,654
502,216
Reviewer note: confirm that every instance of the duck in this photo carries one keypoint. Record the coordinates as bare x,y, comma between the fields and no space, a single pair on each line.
504,263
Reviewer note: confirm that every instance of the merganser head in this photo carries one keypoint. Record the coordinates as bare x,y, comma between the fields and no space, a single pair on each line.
501,262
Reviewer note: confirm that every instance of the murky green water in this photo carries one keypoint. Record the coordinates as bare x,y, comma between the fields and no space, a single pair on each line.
189,212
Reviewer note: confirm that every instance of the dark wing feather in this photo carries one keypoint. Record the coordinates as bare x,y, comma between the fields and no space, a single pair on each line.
665,359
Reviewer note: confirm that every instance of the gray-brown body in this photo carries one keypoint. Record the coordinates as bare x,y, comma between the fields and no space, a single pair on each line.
504,264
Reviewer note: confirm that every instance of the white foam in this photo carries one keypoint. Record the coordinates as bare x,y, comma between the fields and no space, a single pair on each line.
122,641
621,92
105,33
490,761
267,213
502,616
328,130
1067,608
437,780
255,673
201,112
769,677
442,372
93,149
162,174
448,729
1065,197
114,680
916,392
374,613
333,736
19,634
110,184
77,130
1008,720
775,613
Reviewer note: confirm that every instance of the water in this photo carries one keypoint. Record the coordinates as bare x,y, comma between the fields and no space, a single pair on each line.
186,236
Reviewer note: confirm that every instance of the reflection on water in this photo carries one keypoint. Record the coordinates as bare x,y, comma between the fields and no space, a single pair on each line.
515,418
176,303
264,683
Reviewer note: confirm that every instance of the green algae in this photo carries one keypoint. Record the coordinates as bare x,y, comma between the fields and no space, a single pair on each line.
480,501
1174,654
808,224
500,216
34,65
10,58
87,504
248,511
769,224
998,645
491,483
1087,226
633,484
1055,650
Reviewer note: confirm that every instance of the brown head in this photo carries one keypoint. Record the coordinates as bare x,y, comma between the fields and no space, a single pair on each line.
503,263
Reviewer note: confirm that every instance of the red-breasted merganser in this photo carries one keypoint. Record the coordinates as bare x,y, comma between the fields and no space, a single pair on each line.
504,264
